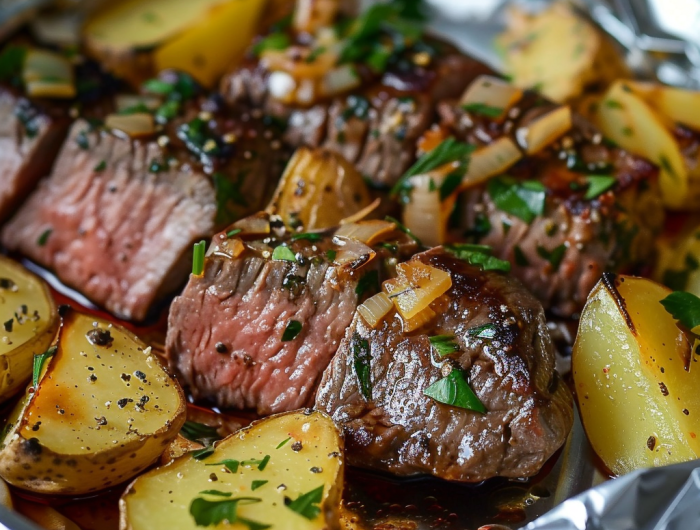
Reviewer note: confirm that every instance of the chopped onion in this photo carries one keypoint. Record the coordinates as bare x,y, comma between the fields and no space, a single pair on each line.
368,232
135,125
293,62
426,215
491,160
544,130
416,287
353,253
253,225
281,86
339,80
48,74
418,321
375,309
227,248
358,216
493,92
130,101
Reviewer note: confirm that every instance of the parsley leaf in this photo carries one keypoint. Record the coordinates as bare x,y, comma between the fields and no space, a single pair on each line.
684,307
198,432
283,253
38,365
229,463
218,493
44,237
444,344
362,364
308,236
478,255
212,513
291,331
258,484
11,63
482,109
597,185
306,504
525,199
230,201
201,454
273,41
368,282
554,256
454,390
485,331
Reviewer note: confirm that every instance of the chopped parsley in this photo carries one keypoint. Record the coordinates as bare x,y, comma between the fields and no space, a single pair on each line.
201,454
520,257
597,185
283,443
330,254
214,512
684,307
485,331
482,109
198,432
230,202
291,331
274,41
38,364
308,236
44,237
198,258
368,283
233,232
444,344
554,256
258,484
11,63
613,104
283,253
677,280
454,390
523,199
362,364
306,504
229,463
100,167
478,255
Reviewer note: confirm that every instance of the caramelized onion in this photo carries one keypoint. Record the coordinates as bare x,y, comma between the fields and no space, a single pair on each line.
418,321
351,252
491,160
339,80
135,125
368,232
416,287
226,247
48,74
425,215
544,130
492,92
253,225
375,309
361,214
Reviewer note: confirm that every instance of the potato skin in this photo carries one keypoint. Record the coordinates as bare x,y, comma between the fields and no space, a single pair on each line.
639,405
30,465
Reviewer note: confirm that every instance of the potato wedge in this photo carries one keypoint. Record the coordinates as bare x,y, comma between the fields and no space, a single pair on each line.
30,322
101,410
678,104
625,118
636,384
271,463
318,189
678,261
135,39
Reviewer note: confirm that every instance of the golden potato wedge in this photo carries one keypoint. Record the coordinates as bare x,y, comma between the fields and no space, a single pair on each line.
558,53
678,261
318,189
625,118
30,322
135,39
678,104
636,384
101,410
260,473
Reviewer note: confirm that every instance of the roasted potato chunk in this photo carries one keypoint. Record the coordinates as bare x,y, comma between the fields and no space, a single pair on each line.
101,409
256,477
636,377
135,39
678,261
30,321
318,189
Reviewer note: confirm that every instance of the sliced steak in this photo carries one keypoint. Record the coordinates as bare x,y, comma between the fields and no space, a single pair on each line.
231,333
562,252
29,141
504,351
110,225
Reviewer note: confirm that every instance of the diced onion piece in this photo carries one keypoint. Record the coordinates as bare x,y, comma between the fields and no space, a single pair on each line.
48,74
353,253
491,160
358,216
418,321
293,62
253,225
425,214
369,232
544,130
312,15
281,86
135,125
375,309
339,80
129,101
492,92
416,287
227,248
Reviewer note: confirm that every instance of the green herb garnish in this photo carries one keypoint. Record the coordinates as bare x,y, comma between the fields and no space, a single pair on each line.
283,443
362,364
11,63
233,232
217,493
684,307
404,229
454,390
229,463
230,202
100,167
444,344
330,254
291,331
283,253
485,331
198,258
38,365
274,41
368,283
306,504
597,185
315,53
520,257
44,237
212,513
198,432
612,104
308,236
478,255
201,454
258,484
482,109
554,256
523,199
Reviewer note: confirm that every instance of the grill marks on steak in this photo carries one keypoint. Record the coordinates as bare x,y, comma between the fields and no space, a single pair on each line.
120,235
232,353
402,431
610,232
377,127
29,142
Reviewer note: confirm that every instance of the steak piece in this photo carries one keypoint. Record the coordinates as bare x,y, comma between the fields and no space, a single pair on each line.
231,333
504,347
112,226
561,253
29,142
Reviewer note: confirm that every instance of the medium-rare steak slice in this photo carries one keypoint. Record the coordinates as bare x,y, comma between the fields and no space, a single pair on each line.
29,142
392,90
112,226
257,328
486,345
